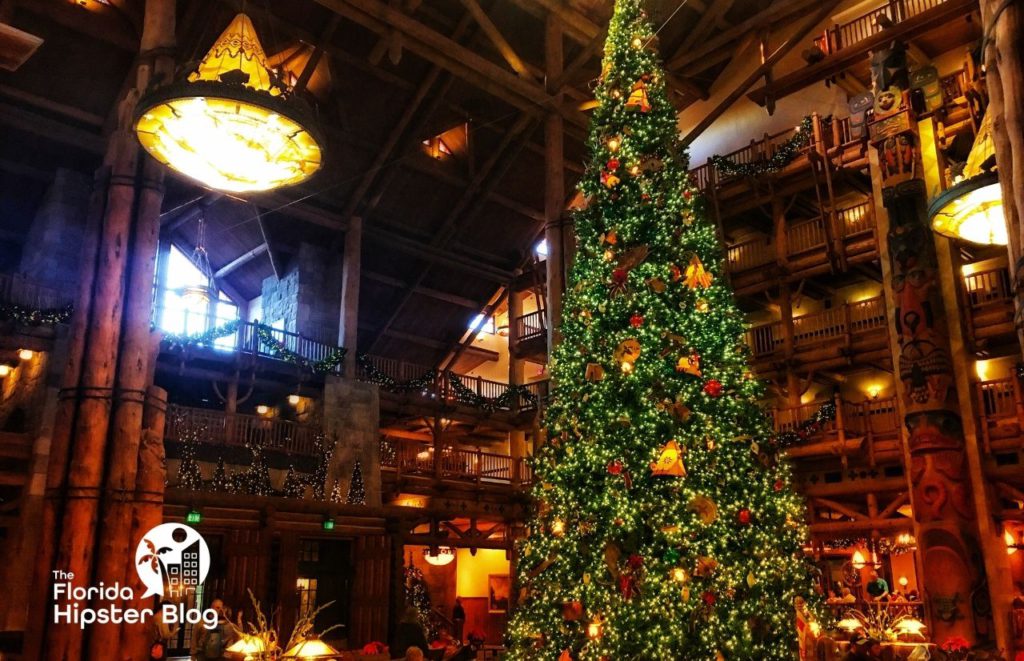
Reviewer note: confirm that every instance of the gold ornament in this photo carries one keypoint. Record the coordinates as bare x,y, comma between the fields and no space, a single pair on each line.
751,579
670,462
706,566
705,508
638,97
702,305
595,372
689,364
696,275
657,285
628,351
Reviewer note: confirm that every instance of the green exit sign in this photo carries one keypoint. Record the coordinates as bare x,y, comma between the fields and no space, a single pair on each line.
194,517
328,524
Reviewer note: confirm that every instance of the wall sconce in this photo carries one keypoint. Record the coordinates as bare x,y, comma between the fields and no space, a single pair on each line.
903,582
1012,545
874,390
262,409
26,354
5,369
294,400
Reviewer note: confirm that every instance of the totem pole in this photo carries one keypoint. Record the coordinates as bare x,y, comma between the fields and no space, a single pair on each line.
937,468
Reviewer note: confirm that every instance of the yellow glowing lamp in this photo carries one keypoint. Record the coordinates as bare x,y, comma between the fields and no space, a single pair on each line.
670,462
440,557
4,370
247,648
909,626
312,648
849,623
232,125
972,209
26,354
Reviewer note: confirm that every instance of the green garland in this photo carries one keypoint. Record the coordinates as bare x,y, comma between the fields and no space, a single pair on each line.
465,395
281,352
207,338
784,154
25,316
389,383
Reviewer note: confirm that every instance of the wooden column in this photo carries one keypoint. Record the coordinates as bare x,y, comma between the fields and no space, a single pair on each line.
1004,78
554,184
933,439
348,328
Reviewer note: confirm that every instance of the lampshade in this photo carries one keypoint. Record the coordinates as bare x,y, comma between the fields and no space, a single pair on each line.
313,648
972,209
232,124
849,623
247,648
910,626
443,556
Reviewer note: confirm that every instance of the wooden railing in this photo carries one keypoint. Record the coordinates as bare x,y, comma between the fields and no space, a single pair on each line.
410,457
16,289
806,235
844,321
751,253
866,25
246,340
987,288
220,428
857,218
442,386
530,326
877,417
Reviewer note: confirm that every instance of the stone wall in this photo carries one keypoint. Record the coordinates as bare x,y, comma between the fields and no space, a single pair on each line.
308,297
52,251
351,415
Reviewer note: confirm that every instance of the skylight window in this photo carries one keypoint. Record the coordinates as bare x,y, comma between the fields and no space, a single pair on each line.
541,249
483,323
179,314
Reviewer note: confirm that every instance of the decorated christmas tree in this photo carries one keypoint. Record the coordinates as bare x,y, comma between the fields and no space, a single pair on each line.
336,493
189,476
257,476
356,488
664,528
294,486
418,596
220,481
324,451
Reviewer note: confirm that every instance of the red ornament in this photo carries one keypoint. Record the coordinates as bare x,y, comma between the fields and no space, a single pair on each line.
636,321
779,485
615,467
636,561
743,516
708,598
687,194
677,273
619,275
627,586
713,388
612,164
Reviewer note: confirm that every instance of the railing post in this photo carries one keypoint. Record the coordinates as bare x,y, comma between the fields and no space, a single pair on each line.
986,440
1018,400
479,464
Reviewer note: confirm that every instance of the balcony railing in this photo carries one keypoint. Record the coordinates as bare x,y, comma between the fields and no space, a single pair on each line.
409,457
18,290
238,429
988,299
866,25
421,380
846,321
875,417
530,326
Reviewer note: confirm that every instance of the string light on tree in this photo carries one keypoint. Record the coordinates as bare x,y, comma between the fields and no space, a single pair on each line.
700,555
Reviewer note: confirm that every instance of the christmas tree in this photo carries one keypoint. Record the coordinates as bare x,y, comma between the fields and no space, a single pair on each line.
417,596
664,528
356,489
257,476
336,492
189,476
324,451
294,486
220,480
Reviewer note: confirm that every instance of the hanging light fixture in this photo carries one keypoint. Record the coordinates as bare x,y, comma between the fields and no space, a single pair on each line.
972,208
200,295
441,557
232,124
247,648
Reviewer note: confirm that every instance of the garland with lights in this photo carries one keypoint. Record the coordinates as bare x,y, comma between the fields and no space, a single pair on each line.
812,425
661,529
508,397
26,316
281,352
390,384
206,338
784,154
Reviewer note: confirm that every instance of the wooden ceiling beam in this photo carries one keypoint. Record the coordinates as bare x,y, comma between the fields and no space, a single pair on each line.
497,38
461,61
786,46
775,12
398,283
240,261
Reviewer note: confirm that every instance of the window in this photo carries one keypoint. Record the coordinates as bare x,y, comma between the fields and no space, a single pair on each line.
485,324
541,249
176,313
306,589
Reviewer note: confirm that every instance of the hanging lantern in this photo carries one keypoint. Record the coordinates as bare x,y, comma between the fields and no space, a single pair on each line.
198,296
972,209
312,648
232,124
439,557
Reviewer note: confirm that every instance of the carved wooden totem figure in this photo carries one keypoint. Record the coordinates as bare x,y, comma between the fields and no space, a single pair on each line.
938,475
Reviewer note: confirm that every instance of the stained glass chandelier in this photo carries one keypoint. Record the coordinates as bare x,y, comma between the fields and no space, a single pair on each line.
972,208
231,125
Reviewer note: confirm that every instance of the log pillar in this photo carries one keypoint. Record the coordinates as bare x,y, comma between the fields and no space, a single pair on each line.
933,441
516,369
554,183
1004,79
348,327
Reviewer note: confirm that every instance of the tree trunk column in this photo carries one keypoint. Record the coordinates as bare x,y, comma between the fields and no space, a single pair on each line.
933,442
349,326
554,185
